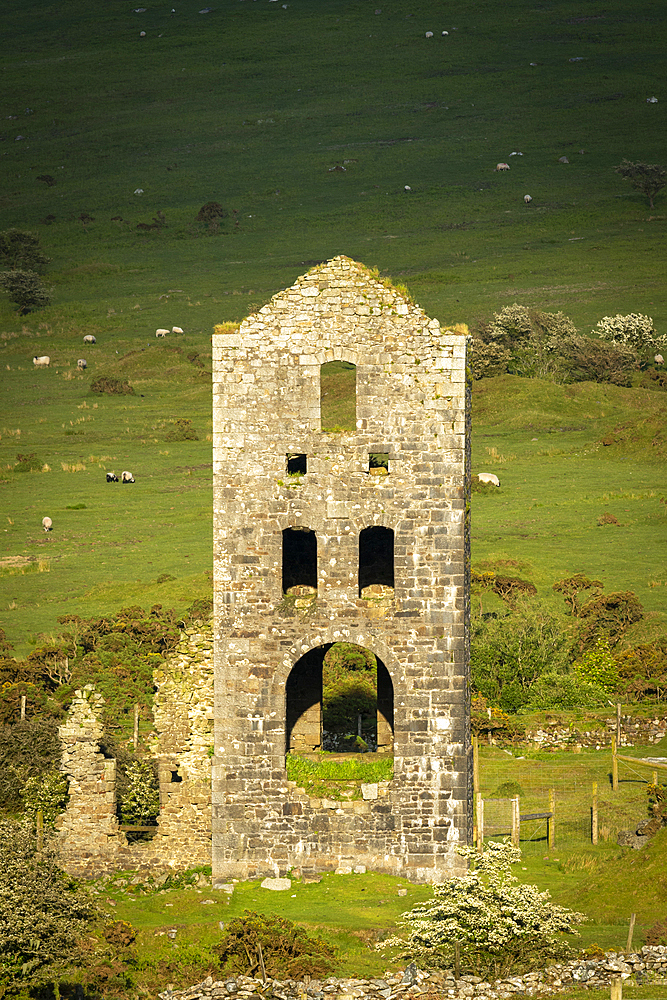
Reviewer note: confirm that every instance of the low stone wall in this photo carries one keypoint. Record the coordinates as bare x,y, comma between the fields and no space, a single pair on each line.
650,961
633,732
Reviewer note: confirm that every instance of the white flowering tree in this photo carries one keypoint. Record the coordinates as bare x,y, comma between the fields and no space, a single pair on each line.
499,924
634,331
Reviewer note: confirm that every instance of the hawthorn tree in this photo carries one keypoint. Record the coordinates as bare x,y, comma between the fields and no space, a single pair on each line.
648,178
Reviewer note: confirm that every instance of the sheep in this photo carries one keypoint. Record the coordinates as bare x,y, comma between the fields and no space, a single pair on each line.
429,34
659,360
47,524
563,159
89,339
527,199
488,477
126,477
176,329
161,333
42,362
112,477
502,166
82,364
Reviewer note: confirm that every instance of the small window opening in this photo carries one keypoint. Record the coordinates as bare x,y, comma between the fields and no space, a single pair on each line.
296,464
338,397
376,563
175,777
299,559
378,463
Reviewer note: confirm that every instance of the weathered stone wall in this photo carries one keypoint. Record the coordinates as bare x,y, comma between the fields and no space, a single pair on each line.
89,827
92,841
412,403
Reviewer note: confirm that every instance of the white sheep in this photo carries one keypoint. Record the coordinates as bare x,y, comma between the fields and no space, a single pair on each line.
488,477
429,34
659,360
527,199
82,363
89,339
161,333
502,166
42,362
126,477
176,329
47,523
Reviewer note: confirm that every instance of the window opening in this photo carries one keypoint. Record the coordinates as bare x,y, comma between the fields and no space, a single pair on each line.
299,560
296,464
338,397
376,563
339,700
175,777
378,463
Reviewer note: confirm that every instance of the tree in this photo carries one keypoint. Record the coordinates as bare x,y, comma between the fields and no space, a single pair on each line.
649,178
500,925
26,289
20,251
43,912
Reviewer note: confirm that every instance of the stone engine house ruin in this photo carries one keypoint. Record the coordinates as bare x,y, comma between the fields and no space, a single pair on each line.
311,548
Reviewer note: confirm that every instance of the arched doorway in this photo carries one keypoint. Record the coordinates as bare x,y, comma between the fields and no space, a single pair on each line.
339,698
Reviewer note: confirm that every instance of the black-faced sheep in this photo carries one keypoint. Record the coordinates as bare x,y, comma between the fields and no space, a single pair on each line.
42,362
47,524
82,364
89,339
112,477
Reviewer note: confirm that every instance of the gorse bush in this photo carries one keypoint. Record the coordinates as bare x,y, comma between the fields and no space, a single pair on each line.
46,794
20,251
140,803
111,386
501,926
282,948
25,289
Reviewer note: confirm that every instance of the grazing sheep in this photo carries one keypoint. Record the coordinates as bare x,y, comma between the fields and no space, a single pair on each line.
47,524
126,477
563,159
42,362
429,34
502,166
176,329
82,363
527,199
659,360
488,477
89,339
161,333
112,477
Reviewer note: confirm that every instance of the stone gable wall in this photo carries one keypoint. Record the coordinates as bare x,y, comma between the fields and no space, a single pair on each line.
412,402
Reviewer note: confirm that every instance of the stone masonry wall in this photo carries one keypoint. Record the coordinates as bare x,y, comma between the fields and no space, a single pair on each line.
412,403
92,842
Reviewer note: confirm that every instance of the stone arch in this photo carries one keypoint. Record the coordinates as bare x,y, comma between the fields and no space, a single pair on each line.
303,702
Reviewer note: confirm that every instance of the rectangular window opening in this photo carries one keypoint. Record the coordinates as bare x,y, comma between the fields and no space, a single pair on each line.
297,465
378,463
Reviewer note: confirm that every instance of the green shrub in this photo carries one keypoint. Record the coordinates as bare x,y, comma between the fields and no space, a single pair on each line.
20,251
27,750
488,359
47,794
111,386
583,359
44,913
565,690
282,947
182,431
501,926
25,289
608,617
140,799
28,463
642,670
598,667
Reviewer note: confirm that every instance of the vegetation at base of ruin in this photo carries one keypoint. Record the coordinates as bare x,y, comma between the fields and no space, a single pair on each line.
256,944
501,927
337,776
44,914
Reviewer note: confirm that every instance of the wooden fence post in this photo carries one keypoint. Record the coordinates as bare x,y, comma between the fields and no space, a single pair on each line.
614,765
551,823
655,777
39,824
135,736
630,932
480,823
618,724
22,707
616,988
516,822
475,764
594,815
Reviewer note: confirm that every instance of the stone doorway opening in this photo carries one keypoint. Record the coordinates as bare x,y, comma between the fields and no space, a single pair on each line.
339,699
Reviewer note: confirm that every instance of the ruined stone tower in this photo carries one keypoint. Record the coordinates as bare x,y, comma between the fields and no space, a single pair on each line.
311,547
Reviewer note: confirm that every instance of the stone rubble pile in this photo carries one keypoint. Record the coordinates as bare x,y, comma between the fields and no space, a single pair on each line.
649,963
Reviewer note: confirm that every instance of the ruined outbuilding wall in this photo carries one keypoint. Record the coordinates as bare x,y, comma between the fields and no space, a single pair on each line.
91,839
412,403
